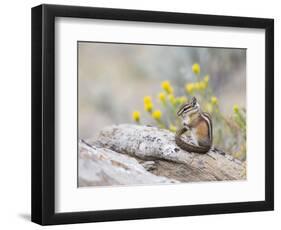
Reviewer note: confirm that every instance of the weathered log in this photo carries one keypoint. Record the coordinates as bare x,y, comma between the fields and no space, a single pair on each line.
103,167
152,143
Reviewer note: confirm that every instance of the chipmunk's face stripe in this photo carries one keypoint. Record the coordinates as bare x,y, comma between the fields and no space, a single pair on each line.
183,109
189,107
186,108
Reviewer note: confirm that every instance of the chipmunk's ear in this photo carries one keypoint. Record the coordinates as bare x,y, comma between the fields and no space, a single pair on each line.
194,100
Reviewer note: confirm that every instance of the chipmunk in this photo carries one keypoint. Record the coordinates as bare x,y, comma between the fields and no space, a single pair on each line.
200,125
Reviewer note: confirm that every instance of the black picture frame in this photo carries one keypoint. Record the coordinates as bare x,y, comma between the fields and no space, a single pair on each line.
43,113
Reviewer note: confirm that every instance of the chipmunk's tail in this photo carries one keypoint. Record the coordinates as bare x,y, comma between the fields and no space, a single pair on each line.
189,147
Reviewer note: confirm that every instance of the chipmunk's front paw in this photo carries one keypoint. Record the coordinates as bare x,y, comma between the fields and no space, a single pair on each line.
186,125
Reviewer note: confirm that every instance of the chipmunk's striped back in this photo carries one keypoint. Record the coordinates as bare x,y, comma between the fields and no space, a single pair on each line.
208,119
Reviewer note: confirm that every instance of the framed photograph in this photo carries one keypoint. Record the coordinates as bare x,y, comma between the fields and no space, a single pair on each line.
142,114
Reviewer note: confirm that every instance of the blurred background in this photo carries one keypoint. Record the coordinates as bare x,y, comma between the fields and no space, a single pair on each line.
115,78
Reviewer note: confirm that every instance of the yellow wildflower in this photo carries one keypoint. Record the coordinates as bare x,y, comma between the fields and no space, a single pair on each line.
157,115
196,68
235,108
214,100
197,85
147,100
182,100
202,85
173,128
148,107
167,87
136,116
189,87
162,97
